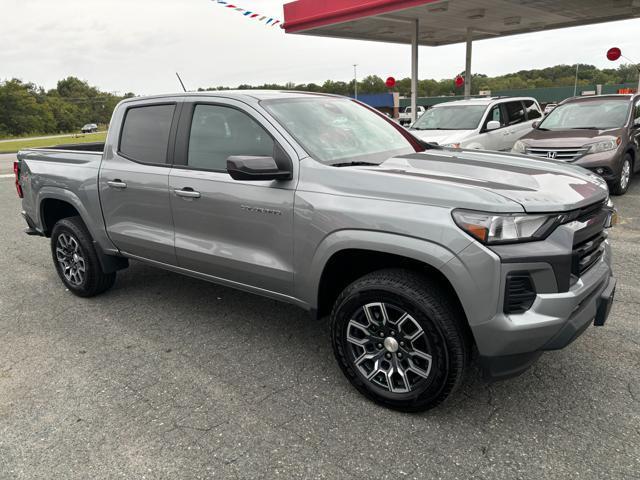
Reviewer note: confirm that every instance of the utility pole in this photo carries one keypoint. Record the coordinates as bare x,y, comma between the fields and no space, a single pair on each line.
355,80
575,85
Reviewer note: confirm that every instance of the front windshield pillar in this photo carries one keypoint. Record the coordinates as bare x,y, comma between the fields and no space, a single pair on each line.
414,69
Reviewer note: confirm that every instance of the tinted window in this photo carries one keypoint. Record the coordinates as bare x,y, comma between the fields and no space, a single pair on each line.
636,114
145,133
532,110
515,112
219,132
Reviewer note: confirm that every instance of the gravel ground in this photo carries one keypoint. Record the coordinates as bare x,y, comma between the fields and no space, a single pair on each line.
165,376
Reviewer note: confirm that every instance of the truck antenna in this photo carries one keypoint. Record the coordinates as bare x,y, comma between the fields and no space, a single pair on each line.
183,87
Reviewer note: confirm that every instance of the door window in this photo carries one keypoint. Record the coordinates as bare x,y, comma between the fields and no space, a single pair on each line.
532,110
496,114
636,113
219,132
515,112
145,133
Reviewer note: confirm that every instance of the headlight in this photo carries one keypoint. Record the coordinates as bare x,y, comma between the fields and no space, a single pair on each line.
519,147
451,145
492,228
604,146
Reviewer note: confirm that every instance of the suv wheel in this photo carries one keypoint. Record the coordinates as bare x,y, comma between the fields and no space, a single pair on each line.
76,260
399,340
621,184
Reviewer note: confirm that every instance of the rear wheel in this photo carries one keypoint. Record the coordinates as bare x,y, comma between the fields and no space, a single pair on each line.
75,259
399,340
621,184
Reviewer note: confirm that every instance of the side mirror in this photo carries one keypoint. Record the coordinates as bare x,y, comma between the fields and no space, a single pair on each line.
246,167
535,124
493,125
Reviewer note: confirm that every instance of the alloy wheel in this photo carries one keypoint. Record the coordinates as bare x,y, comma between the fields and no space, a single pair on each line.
389,347
625,176
70,259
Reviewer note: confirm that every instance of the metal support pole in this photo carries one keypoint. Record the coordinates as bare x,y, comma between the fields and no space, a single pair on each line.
414,69
467,70
575,85
355,80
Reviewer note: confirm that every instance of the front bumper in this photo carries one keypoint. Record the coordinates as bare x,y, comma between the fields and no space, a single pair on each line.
508,343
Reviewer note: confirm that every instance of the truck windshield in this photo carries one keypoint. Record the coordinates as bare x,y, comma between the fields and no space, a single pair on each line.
590,114
338,130
461,117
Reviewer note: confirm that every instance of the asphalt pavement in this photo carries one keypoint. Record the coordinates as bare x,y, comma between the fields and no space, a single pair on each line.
170,377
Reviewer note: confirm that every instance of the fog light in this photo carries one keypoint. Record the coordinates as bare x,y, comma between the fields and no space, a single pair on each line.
599,171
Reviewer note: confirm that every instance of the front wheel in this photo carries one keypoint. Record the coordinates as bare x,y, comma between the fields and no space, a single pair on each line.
621,184
399,339
75,259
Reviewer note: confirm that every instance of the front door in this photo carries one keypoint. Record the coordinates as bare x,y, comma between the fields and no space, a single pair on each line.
134,179
239,231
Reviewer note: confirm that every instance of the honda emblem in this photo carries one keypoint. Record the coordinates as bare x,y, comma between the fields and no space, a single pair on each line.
552,154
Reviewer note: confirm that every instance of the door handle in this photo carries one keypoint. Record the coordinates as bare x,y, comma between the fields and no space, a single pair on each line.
187,192
117,183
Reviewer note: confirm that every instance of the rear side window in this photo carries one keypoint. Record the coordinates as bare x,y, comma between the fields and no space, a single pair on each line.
532,110
515,112
220,132
145,133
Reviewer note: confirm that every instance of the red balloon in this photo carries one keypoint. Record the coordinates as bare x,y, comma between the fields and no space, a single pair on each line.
391,82
459,81
614,54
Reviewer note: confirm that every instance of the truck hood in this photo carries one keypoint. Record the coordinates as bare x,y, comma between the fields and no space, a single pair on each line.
479,180
568,138
441,137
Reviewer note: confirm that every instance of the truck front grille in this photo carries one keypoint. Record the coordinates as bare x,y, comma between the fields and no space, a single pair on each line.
565,154
586,254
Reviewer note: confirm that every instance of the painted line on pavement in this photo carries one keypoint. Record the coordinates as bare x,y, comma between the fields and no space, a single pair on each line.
7,175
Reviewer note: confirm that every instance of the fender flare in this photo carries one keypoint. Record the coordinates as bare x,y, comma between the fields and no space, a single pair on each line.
427,252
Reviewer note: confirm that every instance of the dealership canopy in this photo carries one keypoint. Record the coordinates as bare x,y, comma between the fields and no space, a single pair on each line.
442,22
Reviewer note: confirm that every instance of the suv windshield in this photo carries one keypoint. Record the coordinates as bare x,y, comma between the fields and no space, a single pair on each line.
338,130
460,117
588,114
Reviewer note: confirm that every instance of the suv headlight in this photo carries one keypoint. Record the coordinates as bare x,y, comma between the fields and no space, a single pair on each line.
492,228
604,146
519,147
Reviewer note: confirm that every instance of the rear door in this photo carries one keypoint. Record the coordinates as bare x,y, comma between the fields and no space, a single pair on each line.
134,181
517,123
238,231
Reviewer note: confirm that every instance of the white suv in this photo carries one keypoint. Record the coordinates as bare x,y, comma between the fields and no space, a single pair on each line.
480,123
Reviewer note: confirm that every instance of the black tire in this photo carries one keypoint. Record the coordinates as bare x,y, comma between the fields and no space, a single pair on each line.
443,337
89,281
621,184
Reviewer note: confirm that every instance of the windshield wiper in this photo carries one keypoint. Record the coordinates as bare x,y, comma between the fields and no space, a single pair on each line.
353,164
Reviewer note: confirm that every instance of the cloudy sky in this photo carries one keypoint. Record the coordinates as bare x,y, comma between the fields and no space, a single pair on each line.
137,45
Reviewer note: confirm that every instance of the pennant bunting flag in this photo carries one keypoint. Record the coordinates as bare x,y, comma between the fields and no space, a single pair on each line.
270,21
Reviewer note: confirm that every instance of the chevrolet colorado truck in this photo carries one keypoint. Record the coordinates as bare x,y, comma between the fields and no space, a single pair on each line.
424,258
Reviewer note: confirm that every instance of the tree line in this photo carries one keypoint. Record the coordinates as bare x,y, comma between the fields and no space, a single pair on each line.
557,76
26,108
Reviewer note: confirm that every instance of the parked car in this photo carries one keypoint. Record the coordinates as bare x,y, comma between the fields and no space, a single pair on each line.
419,254
480,123
405,114
601,133
549,108
89,128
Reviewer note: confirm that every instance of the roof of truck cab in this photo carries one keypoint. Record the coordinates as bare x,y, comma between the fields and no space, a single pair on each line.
238,94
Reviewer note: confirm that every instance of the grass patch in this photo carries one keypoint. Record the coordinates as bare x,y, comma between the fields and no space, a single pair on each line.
15,145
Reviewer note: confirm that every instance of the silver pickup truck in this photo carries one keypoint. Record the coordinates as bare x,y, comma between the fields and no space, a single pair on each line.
424,258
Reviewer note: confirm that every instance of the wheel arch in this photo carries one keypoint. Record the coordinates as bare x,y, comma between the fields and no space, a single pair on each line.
348,255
